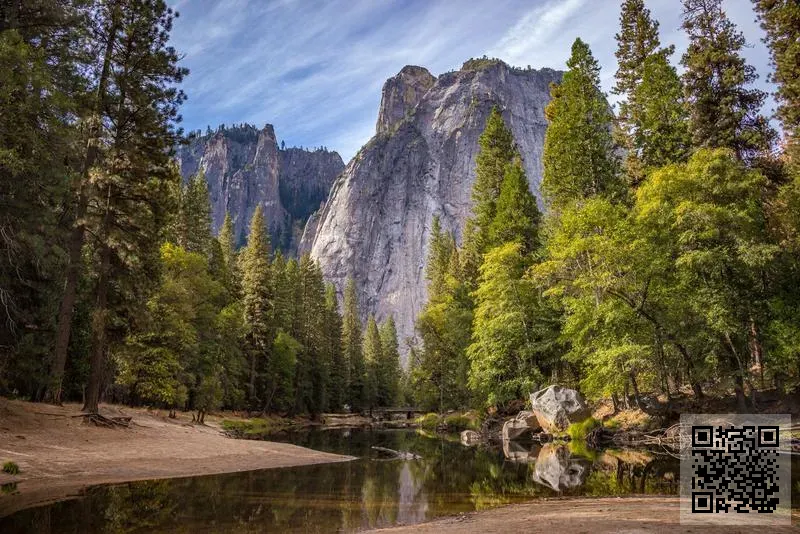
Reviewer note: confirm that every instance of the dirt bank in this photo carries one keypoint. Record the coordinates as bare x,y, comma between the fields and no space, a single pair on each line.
596,516
59,454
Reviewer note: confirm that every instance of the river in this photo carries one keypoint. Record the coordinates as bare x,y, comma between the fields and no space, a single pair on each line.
372,491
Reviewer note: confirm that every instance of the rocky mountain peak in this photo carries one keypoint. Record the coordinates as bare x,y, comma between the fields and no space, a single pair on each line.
245,168
401,94
376,223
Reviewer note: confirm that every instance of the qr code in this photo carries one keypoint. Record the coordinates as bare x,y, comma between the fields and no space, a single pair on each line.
735,464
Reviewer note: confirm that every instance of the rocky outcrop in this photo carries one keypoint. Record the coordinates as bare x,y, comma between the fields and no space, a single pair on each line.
376,223
401,94
557,407
245,168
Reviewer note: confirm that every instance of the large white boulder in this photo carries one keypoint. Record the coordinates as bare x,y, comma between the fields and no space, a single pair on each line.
556,407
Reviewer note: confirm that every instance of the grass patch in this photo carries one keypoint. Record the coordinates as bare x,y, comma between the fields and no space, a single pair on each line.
452,422
429,421
580,448
456,422
579,431
11,468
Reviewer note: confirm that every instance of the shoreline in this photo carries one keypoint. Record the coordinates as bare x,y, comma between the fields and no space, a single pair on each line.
60,455
598,515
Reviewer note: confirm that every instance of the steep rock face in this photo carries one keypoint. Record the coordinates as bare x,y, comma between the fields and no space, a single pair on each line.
376,223
245,168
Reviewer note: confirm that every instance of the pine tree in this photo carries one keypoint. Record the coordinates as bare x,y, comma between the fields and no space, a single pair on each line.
337,388
780,19
373,357
131,186
637,40
41,81
227,243
661,123
579,160
194,216
257,301
496,149
652,120
724,112
517,217
439,248
390,372
352,348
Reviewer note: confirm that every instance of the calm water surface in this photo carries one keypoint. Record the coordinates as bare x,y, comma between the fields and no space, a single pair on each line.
351,496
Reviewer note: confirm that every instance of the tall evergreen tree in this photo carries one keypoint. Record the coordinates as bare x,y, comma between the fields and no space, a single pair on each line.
652,123
41,81
131,187
780,19
496,150
352,347
389,370
517,216
337,388
194,216
227,243
258,301
724,111
373,356
579,159
661,121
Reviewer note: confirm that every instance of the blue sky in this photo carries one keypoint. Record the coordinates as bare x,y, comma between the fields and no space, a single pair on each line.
314,69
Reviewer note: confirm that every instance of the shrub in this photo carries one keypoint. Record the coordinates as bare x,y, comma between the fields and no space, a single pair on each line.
456,422
11,468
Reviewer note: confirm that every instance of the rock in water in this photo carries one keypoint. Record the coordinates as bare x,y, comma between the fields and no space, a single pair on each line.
557,469
557,407
376,223
244,168
523,423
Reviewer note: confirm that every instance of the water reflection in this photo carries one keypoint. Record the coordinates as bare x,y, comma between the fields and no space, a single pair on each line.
352,496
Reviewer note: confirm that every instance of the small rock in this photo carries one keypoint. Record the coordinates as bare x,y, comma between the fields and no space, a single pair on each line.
470,438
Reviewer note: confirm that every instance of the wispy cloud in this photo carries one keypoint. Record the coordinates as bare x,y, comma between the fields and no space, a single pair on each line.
315,69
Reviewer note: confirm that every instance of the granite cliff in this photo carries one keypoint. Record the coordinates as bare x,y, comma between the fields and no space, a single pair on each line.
245,167
375,225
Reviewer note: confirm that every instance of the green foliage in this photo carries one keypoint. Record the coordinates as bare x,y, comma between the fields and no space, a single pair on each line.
578,158
280,371
429,421
11,468
511,342
193,225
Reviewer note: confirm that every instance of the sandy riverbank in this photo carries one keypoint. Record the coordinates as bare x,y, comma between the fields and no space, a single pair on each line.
59,454
595,516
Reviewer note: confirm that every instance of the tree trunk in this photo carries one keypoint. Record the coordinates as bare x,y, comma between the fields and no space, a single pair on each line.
614,402
77,235
756,350
99,320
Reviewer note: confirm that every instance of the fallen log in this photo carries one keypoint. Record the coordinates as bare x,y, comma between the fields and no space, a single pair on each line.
398,455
